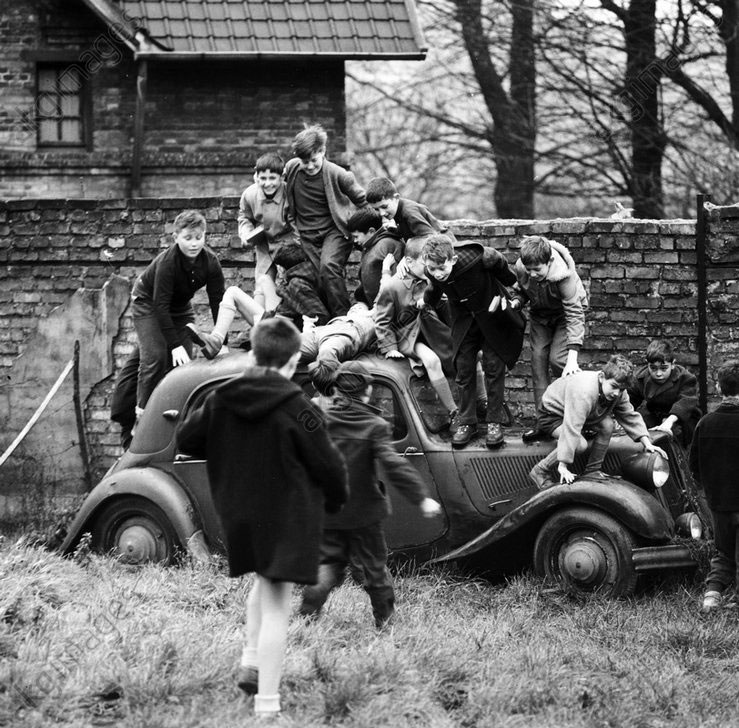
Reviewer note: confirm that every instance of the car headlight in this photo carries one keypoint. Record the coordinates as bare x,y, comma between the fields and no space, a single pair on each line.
648,469
688,524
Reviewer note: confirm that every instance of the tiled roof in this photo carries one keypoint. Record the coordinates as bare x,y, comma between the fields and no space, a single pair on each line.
343,28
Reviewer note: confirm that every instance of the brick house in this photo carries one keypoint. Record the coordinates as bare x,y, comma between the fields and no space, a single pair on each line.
126,98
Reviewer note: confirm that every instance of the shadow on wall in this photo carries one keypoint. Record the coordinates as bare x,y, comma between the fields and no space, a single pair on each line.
50,452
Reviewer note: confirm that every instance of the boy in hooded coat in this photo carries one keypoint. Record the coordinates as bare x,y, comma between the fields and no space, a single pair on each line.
273,471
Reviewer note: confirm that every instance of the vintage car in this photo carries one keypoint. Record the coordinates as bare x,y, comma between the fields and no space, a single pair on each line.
589,535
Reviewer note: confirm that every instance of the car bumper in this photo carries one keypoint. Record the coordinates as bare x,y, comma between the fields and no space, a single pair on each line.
671,556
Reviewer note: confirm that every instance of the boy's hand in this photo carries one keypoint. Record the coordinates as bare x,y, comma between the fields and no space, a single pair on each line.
402,269
309,323
571,366
389,224
498,302
430,507
394,354
179,356
666,424
649,446
565,474
387,264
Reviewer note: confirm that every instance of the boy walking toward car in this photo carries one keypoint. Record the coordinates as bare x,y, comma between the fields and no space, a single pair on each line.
271,476
548,281
714,461
592,400
474,277
321,197
356,534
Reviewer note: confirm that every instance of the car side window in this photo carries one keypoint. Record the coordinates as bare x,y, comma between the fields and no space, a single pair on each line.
433,412
385,400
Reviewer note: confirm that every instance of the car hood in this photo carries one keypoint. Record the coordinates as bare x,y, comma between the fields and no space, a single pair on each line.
255,393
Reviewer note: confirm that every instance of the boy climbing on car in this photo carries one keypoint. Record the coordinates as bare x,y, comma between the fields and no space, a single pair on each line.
595,400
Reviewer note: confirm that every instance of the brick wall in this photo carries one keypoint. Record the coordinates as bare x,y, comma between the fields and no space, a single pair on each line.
641,276
206,122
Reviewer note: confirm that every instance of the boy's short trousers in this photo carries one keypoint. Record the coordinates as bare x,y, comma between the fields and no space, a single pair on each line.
546,421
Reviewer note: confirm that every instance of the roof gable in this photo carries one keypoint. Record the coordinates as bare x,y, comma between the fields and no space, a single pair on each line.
341,28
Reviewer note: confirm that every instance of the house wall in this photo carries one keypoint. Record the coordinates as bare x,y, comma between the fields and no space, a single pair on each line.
206,122
641,276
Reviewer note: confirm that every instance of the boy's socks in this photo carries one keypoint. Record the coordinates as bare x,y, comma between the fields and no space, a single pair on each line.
226,315
266,704
444,392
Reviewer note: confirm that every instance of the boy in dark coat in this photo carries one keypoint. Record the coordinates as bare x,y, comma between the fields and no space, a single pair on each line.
273,471
596,400
376,243
665,393
356,535
411,219
473,278
714,461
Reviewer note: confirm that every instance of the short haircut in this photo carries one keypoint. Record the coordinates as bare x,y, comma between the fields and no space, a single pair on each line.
620,369
659,351
274,341
309,141
289,254
189,219
380,188
728,378
535,250
363,220
415,247
439,248
270,162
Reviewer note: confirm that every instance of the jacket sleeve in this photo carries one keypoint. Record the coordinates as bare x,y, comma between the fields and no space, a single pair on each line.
401,474
192,433
686,405
384,317
246,216
352,189
572,304
321,457
162,296
215,286
494,262
432,295
635,391
629,418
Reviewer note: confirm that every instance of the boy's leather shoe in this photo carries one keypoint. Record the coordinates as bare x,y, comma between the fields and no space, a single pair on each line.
212,344
494,437
247,679
463,435
534,435
194,334
541,477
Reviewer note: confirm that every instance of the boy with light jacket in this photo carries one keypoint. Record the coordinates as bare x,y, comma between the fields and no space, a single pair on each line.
548,280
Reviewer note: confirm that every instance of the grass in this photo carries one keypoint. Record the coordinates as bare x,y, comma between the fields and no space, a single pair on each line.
88,641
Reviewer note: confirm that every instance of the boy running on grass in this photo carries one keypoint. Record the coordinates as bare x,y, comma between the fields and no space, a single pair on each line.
273,471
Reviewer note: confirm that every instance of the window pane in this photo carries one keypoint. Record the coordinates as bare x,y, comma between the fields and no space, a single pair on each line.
48,105
382,398
48,131
69,81
46,79
70,105
71,131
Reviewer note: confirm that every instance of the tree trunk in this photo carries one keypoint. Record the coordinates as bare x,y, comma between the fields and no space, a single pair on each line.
728,29
514,114
643,77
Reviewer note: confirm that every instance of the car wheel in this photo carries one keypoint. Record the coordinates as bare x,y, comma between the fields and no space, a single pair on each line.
135,530
586,551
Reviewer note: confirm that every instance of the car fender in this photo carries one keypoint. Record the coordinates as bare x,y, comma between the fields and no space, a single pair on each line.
154,485
635,508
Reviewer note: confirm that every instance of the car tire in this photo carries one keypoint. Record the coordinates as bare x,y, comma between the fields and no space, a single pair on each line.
136,531
586,551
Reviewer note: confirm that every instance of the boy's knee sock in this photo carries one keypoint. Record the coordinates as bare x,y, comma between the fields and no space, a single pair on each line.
226,315
275,600
444,392
598,452
482,394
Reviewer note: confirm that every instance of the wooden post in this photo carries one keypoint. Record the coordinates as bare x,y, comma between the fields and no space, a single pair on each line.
138,128
81,434
700,249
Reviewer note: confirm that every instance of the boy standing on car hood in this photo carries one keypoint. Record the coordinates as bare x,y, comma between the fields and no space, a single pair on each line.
273,471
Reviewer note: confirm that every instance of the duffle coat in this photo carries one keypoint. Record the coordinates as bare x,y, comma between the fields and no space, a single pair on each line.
272,469
479,275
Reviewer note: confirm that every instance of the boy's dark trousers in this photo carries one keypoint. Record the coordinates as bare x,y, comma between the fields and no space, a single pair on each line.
724,564
154,352
366,548
123,401
493,367
329,252
548,349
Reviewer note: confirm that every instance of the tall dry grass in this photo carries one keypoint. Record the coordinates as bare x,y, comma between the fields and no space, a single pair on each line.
89,642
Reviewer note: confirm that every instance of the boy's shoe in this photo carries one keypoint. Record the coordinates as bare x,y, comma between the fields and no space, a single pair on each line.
595,475
463,436
541,477
534,435
453,421
711,601
212,344
494,437
247,679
